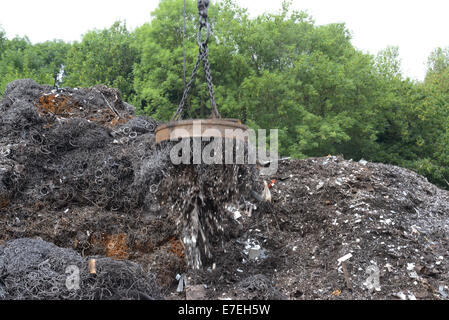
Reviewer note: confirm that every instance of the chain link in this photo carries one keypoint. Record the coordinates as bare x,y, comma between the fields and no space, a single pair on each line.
203,56
187,89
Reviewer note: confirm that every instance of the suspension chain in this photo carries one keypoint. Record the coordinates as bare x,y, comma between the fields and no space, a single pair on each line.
203,56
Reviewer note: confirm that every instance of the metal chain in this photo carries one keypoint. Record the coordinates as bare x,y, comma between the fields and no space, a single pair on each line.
203,56
187,89
206,67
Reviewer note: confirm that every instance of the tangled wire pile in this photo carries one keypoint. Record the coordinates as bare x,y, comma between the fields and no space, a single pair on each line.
79,169
73,146
34,269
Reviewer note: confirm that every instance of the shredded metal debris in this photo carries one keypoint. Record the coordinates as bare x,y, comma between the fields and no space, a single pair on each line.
80,171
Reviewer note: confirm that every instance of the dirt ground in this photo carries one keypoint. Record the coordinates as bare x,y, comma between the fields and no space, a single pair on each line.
388,224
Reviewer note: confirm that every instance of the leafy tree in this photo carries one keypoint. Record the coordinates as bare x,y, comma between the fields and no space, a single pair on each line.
41,62
3,40
438,61
158,78
50,58
103,57
435,110
388,62
437,77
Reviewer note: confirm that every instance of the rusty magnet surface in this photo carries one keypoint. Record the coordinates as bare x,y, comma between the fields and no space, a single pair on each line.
208,128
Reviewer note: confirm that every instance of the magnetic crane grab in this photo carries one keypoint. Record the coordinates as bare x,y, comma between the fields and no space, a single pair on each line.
223,128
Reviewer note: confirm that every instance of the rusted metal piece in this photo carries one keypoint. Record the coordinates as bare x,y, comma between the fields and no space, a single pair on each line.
207,128
93,266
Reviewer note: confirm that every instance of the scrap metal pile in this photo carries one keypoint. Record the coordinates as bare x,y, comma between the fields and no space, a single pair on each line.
34,269
53,147
77,168
82,179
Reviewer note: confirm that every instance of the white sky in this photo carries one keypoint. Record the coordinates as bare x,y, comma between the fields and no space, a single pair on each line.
416,26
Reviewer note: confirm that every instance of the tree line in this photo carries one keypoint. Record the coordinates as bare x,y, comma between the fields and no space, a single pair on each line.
277,70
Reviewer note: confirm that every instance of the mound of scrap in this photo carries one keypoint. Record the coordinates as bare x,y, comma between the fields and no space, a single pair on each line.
82,181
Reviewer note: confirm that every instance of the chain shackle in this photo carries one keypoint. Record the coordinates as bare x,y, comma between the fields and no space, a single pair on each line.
203,8
203,11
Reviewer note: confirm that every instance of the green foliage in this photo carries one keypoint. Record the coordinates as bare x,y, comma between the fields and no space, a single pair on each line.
437,78
388,63
20,59
435,111
3,40
103,57
158,80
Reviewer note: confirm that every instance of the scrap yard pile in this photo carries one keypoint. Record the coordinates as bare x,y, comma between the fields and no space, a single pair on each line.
82,181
